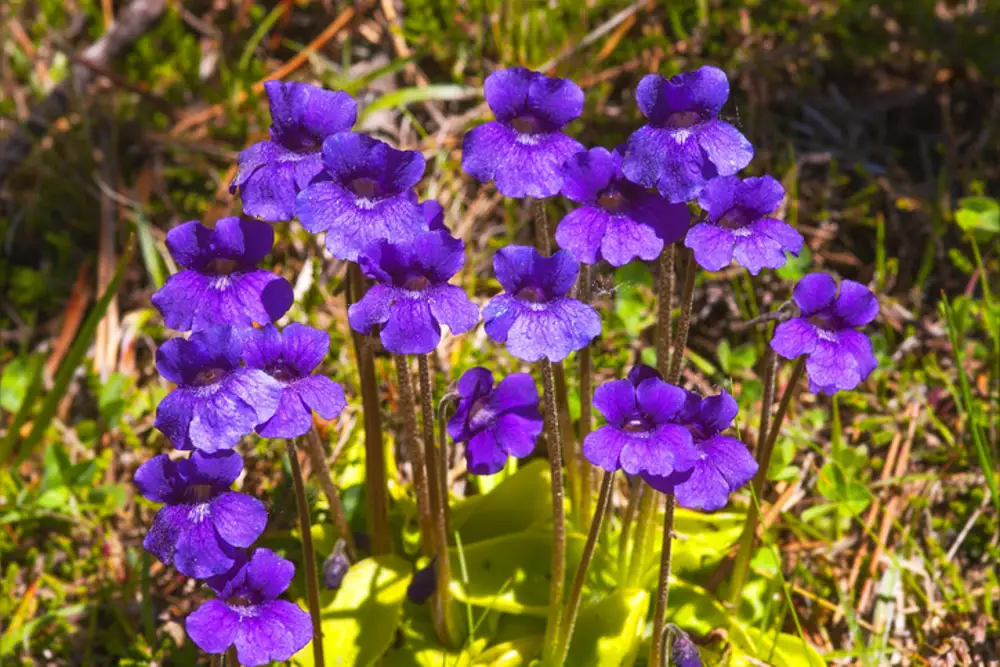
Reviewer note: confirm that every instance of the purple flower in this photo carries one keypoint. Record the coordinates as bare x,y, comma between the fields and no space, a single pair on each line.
220,283
684,652
272,172
248,614
524,149
423,584
363,196
839,357
495,422
290,357
739,225
216,401
642,436
534,317
685,144
202,521
619,220
723,464
412,296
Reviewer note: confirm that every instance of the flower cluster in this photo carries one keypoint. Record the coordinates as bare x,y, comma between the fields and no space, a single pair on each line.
232,379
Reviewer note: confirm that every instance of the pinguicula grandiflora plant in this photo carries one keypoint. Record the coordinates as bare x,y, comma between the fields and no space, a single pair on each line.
672,190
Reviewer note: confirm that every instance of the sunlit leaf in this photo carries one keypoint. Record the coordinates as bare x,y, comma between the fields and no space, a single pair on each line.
608,632
519,502
751,647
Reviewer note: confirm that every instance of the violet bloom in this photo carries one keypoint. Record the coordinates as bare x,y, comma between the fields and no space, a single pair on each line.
723,464
271,173
363,196
290,357
412,297
641,436
685,144
839,357
202,522
220,283
534,317
740,227
619,220
495,422
248,615
216,401
524,149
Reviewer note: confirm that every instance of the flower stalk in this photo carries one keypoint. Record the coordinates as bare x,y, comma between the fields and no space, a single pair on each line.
576,592
586,397
552,437
308,553
314,448
407,403
656,651
376,476
443,611
765,447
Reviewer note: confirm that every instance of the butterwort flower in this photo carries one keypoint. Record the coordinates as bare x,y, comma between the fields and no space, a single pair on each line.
740,225
290,357
683,653
220,283
495,422
335,566
524,149
534,317
202,522
363,195
412,297
641,436
684,145
618,220
423,584
723,463
216,401
271,173
248,614
839,357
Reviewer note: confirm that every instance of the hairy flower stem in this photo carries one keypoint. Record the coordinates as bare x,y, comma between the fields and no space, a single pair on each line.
444,620
314,447
576,593
552,437
586,391
308,553
665,307
407,403
376,476
231,659
765,447
656,652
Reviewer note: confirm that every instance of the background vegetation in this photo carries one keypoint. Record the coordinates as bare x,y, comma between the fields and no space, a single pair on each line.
880,118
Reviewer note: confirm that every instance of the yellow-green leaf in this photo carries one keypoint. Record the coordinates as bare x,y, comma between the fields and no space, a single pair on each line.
608,632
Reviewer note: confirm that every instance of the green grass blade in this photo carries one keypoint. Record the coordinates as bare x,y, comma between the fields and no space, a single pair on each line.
445,92
21,418
73,359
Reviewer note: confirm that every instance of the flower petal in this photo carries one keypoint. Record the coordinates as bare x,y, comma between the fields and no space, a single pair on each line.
450,305
814,292
703,488
220,421
268,574
659,401
653,453
563,327
626,239
483,454
755,250
719,197
257,389
760,195
859,346
725,146
499,315
718,412
173,417
301,112
506,91
534,168
156,480
179,298
213,626
200,551
669,221
262,347
604,446
554,101
217,470
239,519
794,337
262,639
268,192
616,401
713,245
297,623
161,538
411,328
586,173
321,394
705,91
304,348
833,367
581,232
856,305
484,148
517,433
373,308
731,458
292,418
514,392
